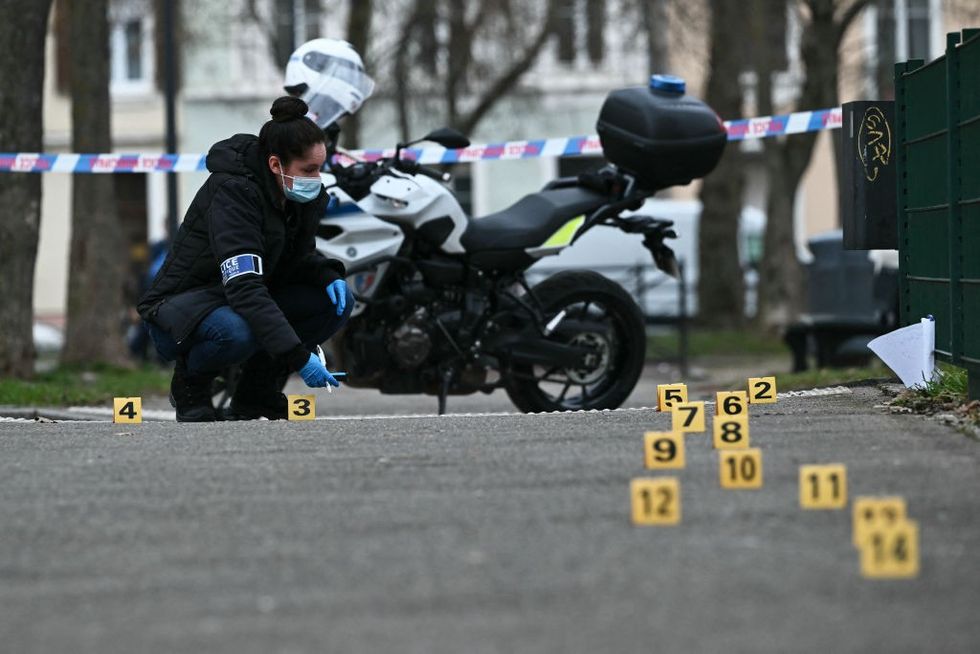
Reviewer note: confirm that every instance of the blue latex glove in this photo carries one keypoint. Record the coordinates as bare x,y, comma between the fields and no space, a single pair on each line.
315,374
337,292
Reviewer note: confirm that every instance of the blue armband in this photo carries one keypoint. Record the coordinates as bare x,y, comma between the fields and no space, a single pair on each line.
243,264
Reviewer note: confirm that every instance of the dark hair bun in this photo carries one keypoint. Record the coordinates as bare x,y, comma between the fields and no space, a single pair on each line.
288,108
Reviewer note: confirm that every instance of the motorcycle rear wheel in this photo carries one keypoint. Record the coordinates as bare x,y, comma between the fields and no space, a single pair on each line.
618,342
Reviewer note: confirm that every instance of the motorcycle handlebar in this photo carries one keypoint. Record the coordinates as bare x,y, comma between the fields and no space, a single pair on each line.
415,168
364,172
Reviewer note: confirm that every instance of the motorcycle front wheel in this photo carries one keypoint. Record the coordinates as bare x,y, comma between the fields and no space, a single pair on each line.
600,316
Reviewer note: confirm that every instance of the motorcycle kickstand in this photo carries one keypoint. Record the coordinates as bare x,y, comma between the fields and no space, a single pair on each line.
447,380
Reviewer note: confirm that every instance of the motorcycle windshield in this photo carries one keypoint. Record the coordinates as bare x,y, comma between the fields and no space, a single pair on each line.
341,88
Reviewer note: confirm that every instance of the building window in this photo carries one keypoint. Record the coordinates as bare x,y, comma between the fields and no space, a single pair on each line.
568,31
463,186
133,38
565,31
131,54
918,29
312,17
904,31
595,16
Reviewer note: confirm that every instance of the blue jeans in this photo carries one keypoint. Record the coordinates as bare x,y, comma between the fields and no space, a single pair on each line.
224,339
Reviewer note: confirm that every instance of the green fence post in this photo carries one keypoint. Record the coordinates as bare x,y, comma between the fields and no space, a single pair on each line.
970,328
901,204
954,214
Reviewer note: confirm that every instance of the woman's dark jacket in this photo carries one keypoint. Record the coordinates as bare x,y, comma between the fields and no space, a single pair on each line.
237,241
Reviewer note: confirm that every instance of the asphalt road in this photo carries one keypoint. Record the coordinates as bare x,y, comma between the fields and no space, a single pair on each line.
473,534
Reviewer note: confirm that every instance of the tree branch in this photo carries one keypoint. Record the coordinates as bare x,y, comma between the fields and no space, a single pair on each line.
401,70
271,38
846,18
513,74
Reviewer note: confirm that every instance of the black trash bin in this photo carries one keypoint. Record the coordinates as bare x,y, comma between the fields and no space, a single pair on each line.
852,297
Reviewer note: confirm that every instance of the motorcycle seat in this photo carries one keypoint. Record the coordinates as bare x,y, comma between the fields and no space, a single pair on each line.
531,220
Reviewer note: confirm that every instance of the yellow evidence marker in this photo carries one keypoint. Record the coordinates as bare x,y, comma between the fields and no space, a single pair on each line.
891,552
688,417
762,390
823,486
731,403
670,394
663,450
740,469
301,407
730,432
655,501
870,513
127,409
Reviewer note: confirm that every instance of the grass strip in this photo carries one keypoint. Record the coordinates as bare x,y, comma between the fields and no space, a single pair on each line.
73,386
703,342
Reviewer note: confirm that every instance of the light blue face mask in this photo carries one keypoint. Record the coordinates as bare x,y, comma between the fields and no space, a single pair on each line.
305,189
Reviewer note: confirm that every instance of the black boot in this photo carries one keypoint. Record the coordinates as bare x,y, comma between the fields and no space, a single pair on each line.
191,395
259,391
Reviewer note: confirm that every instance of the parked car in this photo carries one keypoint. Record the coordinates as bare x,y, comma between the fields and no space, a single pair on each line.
47,338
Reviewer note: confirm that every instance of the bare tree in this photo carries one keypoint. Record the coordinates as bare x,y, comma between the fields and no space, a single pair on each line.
824,23
512,72
407,31
23,25
487,50
721,287
279,31
417,44
359,17
278,28
97,265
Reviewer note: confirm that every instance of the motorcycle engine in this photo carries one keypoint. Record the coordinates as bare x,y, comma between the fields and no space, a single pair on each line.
409,343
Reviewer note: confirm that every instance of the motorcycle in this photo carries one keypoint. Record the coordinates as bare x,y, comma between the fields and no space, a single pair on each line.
443,305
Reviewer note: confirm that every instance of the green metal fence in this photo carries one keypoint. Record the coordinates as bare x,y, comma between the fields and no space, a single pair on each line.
937,116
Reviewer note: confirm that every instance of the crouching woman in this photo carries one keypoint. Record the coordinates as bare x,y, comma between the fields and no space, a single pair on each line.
243,282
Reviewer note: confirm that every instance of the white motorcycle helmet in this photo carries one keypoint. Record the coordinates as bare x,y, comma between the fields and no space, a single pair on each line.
329,76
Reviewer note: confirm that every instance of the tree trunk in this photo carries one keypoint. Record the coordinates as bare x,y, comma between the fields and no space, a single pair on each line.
359,36
781,284
401,82
781,287
23,26
95,277
721,285
656,25
457,59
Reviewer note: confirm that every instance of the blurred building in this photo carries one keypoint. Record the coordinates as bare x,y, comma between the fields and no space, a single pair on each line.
137,126
232,52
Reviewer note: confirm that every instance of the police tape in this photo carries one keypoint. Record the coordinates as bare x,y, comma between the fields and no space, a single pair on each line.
738,130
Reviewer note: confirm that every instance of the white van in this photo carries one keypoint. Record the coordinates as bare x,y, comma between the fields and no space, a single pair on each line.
622,257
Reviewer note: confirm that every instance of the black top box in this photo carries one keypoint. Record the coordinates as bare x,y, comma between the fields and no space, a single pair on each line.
660,135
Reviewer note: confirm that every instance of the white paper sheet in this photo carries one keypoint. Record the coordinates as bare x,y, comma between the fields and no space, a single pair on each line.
909,352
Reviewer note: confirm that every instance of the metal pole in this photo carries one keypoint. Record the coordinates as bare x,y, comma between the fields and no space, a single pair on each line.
953,196
170,98
640,289
682,319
